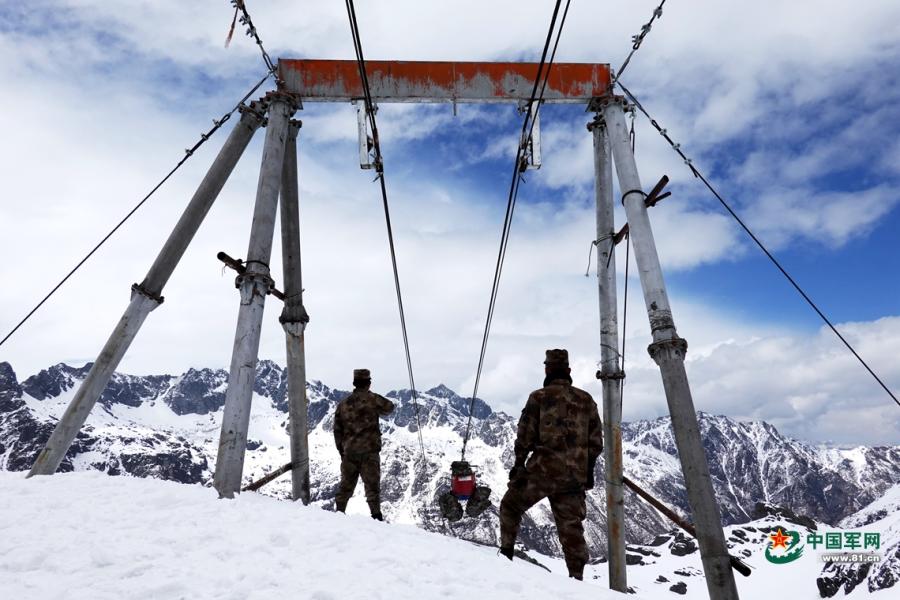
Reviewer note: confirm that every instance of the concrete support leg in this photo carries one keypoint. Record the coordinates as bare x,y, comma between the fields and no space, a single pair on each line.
146,296
294,319
610,369
668,351
254,284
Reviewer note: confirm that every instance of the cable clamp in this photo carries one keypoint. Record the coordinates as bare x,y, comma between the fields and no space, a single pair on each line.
615,375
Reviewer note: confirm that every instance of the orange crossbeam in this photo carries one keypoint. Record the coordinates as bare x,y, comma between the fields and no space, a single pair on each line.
405,81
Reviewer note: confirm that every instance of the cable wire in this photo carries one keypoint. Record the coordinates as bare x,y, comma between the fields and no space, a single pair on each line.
379,167
241,6
637,40
518,167
771,257
187,154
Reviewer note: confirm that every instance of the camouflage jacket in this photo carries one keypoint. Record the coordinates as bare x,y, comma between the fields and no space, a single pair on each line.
356,428
560,427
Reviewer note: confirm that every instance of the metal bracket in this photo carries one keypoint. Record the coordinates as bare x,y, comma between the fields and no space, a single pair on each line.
598,103
531,157
367,158
650,200
139,289
238,265
610,376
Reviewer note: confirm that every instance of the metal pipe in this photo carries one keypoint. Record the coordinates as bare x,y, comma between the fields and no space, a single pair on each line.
736,563
252,487
254,285
668,351
146,296
610,369
294,319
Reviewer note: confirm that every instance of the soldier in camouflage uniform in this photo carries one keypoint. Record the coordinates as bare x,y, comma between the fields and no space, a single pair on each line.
560,428
357,436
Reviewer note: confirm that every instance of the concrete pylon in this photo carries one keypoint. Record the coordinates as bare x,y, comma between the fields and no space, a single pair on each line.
610,366
294,319
668,350
254,285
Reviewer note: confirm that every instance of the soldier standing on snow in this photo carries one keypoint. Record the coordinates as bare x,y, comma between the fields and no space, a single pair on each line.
357,436
561,430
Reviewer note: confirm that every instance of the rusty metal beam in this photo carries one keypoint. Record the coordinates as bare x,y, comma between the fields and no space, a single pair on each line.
736,563
406,81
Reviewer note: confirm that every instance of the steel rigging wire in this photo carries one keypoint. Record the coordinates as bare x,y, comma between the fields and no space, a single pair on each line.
239,6
379,167
771,257
187,154
533,108
637,40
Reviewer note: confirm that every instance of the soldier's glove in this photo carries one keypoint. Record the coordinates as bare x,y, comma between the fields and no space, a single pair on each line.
517,472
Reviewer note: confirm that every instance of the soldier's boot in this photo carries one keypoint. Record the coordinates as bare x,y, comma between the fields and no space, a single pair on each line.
375,510
507,551
340,507
576,569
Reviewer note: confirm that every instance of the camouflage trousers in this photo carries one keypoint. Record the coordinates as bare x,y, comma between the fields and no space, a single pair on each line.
367,465
568,508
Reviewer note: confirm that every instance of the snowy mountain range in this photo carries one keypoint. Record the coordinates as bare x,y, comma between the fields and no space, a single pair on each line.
166,427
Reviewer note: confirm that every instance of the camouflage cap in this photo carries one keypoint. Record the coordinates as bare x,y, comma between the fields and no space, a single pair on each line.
557,358
361,374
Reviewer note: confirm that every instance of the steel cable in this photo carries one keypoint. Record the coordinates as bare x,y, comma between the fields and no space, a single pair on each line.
188,153
638,39
379,167
241,6
748,231
527,127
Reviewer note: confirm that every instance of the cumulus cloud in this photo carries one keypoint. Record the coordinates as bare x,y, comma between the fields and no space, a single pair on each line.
108,94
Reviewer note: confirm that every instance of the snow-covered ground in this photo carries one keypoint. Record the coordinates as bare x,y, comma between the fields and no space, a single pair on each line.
86,536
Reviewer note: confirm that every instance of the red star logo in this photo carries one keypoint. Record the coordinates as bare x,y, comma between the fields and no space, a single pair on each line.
779,539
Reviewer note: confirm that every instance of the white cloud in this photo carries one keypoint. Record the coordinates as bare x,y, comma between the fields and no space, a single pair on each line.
107,95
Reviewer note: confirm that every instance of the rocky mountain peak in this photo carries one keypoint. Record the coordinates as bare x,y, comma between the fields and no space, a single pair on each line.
8,379
442,391
10,390
51,382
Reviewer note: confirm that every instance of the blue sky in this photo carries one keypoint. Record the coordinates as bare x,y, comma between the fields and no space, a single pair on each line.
792,110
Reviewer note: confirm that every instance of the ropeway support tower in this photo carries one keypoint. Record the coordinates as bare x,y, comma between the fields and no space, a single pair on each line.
302,81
